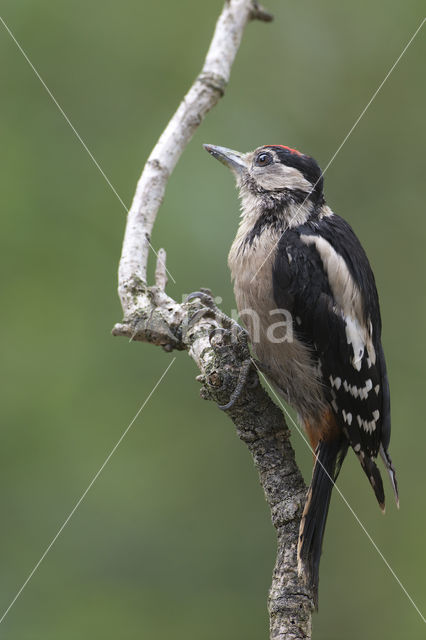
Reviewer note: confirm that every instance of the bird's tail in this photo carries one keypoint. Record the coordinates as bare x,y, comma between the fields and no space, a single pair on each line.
329,458
391,471
372,472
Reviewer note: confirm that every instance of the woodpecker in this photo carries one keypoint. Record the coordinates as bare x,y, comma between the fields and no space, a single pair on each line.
294,258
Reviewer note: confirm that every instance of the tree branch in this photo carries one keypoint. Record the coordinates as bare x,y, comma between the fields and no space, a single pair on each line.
216,344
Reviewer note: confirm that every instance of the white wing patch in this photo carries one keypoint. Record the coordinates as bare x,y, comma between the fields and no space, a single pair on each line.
356,392
348,299
354,336
369,425
336,382
347,417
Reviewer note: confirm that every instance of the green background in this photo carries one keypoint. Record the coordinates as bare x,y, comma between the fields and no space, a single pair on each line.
174,539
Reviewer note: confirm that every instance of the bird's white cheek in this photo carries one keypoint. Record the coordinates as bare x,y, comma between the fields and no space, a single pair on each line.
279,176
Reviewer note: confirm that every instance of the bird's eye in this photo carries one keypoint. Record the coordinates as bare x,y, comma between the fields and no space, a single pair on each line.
263,159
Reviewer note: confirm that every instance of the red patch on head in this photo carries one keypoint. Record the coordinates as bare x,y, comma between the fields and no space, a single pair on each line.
295,151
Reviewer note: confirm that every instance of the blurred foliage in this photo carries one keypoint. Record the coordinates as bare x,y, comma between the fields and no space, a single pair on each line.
174,539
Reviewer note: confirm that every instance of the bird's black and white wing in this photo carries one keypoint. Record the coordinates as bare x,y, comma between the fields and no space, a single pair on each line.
322,272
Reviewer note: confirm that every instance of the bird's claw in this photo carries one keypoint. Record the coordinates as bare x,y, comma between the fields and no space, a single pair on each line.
225,333
209,307
205,295
230,331
242,379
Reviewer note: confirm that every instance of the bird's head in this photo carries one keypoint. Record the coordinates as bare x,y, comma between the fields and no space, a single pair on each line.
273,176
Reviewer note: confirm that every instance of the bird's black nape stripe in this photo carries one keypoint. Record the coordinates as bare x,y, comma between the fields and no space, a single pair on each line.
307,166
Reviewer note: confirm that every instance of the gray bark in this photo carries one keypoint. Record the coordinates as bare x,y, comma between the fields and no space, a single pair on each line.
216,344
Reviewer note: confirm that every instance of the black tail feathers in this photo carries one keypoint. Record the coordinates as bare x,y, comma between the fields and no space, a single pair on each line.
372,472
391,471
330,456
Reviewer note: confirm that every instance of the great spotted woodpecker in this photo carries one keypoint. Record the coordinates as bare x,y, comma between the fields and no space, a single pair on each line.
293,255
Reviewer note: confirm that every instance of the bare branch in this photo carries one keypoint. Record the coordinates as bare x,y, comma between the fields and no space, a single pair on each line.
161,270
207,89
215,343
259,13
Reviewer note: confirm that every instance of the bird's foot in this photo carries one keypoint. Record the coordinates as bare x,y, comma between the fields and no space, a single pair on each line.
242,381
227,332
220,338
227,326
205,295
210,307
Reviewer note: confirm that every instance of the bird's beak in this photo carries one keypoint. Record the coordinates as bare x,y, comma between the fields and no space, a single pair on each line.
234,160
